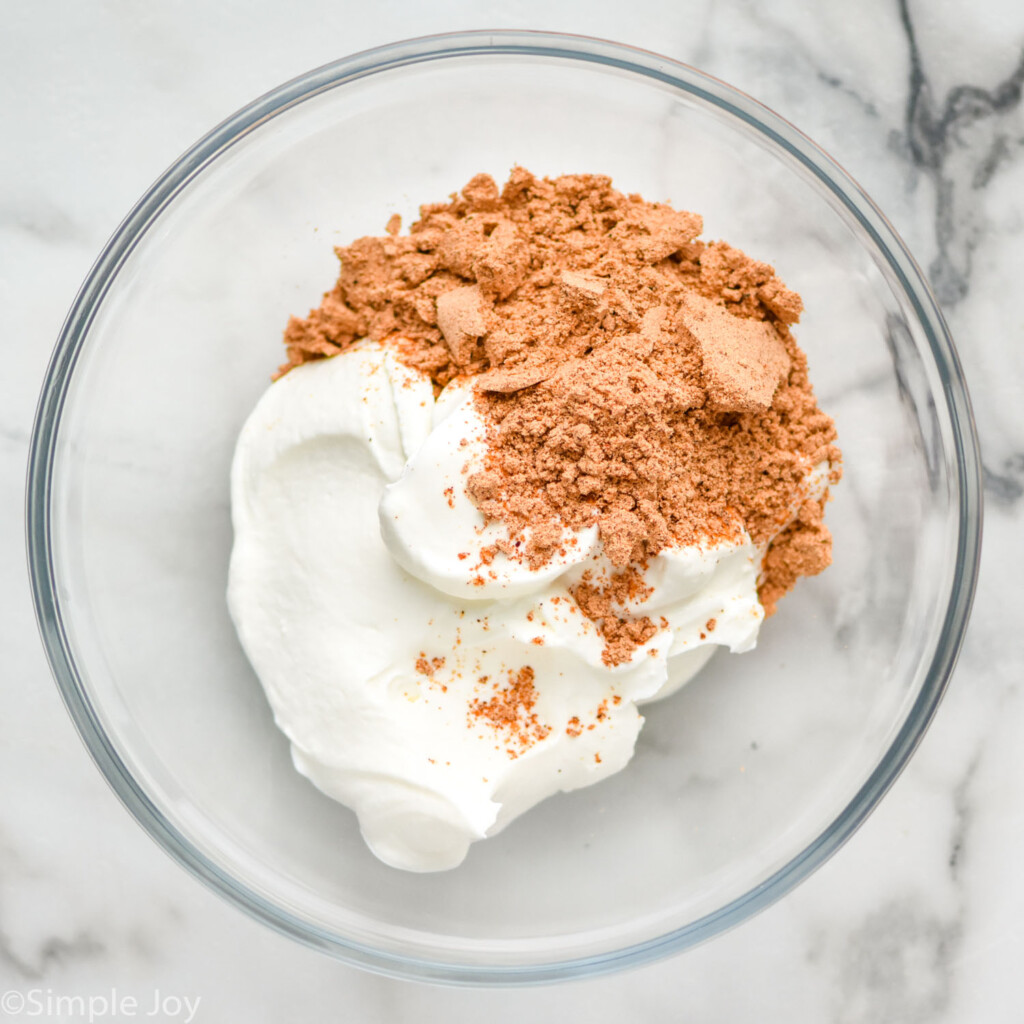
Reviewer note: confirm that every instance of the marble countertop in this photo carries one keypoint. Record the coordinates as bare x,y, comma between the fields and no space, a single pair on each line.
918,918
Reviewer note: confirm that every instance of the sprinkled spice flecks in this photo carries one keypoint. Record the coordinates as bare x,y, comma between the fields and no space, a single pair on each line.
510,710
602,603
428,666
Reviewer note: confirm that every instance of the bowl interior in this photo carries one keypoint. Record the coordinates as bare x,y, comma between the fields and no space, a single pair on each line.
743,771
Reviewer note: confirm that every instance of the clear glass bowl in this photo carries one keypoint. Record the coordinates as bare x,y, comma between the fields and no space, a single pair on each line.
744,782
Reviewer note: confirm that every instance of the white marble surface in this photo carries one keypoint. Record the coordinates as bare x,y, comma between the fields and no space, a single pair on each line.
918,918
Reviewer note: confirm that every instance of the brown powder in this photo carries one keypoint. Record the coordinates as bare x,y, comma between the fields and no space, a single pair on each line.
603,605
742,361
804,548
631,375
428,666
510,711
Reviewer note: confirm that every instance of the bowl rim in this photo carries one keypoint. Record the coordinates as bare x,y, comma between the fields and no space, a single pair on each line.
570,48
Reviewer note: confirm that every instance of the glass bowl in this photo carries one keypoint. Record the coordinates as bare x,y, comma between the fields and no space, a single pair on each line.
745,781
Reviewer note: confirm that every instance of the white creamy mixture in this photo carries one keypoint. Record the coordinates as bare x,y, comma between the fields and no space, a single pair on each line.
395,657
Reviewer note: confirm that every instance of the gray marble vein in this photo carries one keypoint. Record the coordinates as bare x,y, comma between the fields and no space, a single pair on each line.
959,141
1005,485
